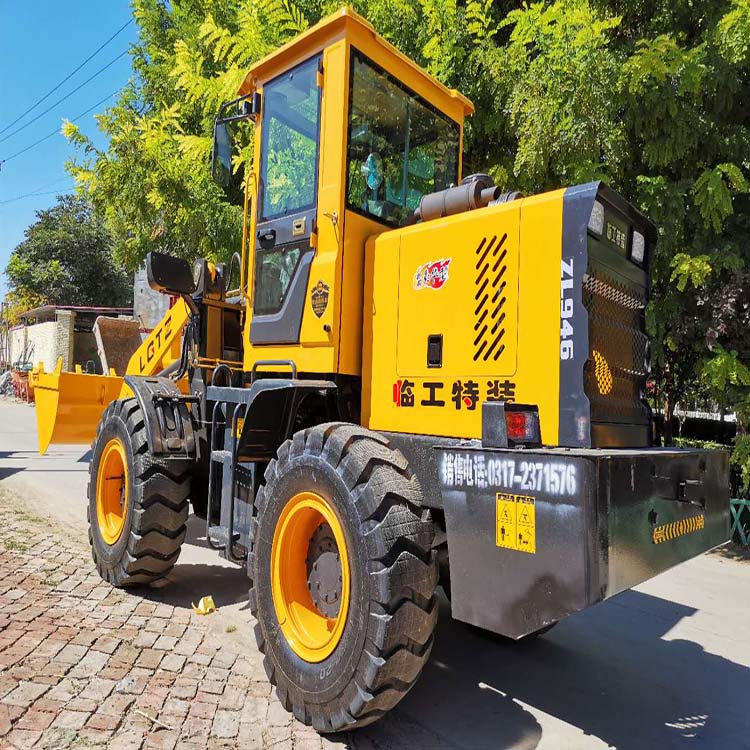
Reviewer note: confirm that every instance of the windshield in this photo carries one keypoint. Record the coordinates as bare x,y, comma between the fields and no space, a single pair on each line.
290,141
400,148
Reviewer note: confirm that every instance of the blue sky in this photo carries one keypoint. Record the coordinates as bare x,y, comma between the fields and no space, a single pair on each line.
41,41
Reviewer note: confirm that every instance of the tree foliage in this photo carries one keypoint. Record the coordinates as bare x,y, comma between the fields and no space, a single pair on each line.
649,95
66,259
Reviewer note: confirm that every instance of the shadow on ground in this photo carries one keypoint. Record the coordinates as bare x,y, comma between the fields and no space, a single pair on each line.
610,672
733,551
189,581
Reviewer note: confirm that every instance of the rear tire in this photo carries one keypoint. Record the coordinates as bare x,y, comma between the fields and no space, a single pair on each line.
143,544
391,573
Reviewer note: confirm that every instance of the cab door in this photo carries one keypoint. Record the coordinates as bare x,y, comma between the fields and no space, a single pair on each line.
287,203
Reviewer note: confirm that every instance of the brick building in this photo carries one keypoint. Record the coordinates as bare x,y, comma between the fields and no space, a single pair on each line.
54,331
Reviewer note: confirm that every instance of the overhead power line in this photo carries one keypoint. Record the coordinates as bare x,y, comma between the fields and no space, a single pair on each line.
34,195
67,77
57,130
39,190
62,99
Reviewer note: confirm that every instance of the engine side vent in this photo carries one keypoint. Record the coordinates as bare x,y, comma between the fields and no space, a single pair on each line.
490,298
615,374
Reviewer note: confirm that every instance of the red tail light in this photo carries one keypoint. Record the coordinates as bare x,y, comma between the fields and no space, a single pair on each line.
520,426
520,423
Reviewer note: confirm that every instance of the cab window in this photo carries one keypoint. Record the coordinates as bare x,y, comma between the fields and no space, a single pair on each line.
291,110
400,147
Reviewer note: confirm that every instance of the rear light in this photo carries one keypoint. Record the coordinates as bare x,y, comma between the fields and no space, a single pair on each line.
509,425
520,426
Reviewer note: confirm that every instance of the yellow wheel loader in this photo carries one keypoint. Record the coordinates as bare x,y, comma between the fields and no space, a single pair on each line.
418,380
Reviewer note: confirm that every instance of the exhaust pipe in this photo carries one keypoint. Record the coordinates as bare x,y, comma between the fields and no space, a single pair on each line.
475,191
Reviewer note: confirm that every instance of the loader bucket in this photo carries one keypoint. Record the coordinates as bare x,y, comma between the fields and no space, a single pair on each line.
69,405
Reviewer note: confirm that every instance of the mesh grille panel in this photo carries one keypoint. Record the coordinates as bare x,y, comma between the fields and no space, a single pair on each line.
490,298
615,374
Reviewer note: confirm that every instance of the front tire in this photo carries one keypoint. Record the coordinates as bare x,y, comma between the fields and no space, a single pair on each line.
381,615
138,504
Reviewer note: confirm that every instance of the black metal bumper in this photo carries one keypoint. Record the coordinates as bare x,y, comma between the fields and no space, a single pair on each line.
534,536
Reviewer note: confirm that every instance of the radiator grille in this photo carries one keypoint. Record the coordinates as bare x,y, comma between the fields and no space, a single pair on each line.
615,374
489,316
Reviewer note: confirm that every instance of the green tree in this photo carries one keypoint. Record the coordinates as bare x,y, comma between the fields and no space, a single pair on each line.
66,259
649,95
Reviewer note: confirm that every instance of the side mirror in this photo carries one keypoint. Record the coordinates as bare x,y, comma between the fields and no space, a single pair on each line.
169,275
221,161
230,116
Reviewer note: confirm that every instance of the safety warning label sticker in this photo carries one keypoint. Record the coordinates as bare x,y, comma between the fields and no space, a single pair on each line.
516,522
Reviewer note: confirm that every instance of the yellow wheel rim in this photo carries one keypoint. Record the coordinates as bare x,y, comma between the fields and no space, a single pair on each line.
310,576
112,491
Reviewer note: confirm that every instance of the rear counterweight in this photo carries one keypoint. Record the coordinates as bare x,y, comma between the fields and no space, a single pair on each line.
534,536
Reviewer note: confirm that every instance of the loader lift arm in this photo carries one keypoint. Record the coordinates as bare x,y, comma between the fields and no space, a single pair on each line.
69,405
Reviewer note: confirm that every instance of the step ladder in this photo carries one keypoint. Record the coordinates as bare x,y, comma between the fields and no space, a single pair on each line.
226,419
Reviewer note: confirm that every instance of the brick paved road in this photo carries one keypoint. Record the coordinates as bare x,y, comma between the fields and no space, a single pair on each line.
665,666
85,665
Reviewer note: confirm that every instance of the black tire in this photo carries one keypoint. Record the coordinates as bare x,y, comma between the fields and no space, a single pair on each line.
157,510
393,608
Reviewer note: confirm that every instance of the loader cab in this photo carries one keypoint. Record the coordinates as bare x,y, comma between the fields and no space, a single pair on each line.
349,134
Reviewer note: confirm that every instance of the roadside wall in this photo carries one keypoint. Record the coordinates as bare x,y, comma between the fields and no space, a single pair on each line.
49,340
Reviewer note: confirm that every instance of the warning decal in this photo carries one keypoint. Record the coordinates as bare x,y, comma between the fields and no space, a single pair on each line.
516,522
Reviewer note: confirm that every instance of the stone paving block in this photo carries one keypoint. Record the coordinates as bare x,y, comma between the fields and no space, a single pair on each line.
131,685
25,694
66,690
176,706
162,739
23,738
49,647
149,659
202,710
101,720
165,643
116,704
172,662
70,719
175,629
8,715
255,710
184,688
115,670
98,689
88,737
280,736
127,740
202,659
106,643
145,639
156,625
71,654
232,699
92,663
126,654
226,724
215,687
195,727
82,704
278,716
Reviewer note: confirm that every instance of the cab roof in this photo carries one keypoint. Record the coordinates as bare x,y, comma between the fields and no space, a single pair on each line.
348,25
